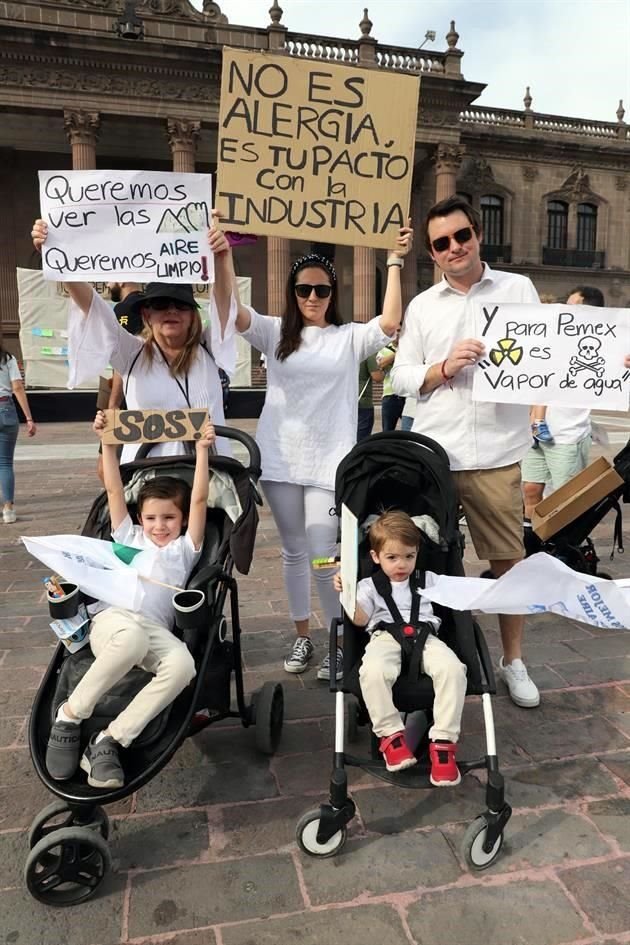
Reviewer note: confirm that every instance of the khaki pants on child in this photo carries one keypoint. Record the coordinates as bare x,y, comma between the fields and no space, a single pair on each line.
120,640
381,668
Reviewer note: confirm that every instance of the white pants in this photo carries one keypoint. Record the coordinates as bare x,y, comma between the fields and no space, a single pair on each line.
120,640
380,669
307,531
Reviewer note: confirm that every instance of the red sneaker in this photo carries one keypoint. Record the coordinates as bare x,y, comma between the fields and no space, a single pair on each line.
444,771
395,752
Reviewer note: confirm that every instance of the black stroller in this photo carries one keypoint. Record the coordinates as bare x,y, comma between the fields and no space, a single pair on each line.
410,472
69,856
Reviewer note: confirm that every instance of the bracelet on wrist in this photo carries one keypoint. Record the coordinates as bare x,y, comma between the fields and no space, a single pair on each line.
29,420
393,260
446,378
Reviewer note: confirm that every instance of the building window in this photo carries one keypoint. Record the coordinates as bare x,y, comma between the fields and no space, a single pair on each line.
492,220
586,227
557,224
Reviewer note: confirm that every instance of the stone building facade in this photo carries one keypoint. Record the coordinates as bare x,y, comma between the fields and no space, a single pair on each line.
114,84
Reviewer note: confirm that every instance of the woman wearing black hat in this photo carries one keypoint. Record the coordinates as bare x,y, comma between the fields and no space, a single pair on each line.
171,364
309,420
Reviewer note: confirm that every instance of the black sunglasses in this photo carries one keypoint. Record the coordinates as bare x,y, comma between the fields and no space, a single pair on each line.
303,290
443,242
162,305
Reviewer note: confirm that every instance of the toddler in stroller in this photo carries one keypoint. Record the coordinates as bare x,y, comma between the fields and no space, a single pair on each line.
69,856
121,639
410,473
403,631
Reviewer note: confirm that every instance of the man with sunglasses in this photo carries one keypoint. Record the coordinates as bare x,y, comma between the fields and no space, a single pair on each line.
485,442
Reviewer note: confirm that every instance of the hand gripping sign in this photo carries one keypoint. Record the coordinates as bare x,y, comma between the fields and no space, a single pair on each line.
136,226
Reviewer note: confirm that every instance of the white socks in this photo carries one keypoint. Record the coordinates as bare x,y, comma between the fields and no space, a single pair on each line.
62,716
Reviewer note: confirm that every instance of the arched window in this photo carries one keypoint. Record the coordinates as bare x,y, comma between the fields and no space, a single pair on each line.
586,227
492,219
557,224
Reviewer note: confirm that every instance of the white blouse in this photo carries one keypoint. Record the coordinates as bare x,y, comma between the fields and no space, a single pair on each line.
98,340
309,419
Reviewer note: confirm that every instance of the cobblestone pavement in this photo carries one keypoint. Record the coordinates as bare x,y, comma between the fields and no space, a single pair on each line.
205,853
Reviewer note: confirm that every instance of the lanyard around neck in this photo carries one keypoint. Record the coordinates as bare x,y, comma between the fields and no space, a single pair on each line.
183,389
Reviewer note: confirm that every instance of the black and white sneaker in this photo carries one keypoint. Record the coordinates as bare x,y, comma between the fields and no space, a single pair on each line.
101,762
324,670
298,659
63,750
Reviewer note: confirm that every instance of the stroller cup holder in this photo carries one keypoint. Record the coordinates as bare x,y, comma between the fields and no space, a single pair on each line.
62,608
191,609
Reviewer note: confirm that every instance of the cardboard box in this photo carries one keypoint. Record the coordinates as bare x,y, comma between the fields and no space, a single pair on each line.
573,498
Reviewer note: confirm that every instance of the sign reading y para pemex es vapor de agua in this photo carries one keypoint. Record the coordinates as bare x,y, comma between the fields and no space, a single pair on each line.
324,150
140,226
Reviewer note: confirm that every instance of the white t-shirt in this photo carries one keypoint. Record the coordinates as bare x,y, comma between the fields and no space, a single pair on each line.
309,419
9,371
98,340
171,564
375,608
568,425
475,434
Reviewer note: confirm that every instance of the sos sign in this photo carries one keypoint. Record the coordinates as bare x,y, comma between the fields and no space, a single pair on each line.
153,426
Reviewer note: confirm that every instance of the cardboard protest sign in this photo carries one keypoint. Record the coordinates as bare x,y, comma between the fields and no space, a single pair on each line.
140,226
565,355
322,149
153,426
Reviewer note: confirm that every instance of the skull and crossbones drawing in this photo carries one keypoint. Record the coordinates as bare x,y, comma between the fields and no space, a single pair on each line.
588,357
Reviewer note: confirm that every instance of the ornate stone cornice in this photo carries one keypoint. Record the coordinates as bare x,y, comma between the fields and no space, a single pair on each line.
158,86
476,173
182,133
181,9
577,186
81,127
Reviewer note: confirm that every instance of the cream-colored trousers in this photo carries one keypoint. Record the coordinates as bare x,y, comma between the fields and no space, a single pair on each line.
120,640
380,669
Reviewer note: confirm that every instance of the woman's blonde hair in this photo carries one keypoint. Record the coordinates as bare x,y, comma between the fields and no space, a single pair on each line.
182,363
394,526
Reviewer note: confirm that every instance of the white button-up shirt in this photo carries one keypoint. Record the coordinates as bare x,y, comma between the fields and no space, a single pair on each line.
475,434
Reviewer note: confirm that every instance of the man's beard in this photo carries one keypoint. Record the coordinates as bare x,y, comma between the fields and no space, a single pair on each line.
115,293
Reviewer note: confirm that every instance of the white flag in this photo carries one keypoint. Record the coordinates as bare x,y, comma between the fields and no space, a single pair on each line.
101,569
539,584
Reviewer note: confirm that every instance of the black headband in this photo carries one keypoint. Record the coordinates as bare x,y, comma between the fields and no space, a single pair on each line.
313,259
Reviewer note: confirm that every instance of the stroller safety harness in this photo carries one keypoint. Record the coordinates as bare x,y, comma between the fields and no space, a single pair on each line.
410,635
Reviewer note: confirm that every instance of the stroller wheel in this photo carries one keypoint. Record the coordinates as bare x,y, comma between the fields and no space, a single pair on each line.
67,866
268,712
472,845
306,836
58,815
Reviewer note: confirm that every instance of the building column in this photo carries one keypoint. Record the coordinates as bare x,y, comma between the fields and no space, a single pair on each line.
182,136
9,320
448,160
278,265
82,130
364,284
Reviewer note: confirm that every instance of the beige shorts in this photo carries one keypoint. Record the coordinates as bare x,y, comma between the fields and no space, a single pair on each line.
493,506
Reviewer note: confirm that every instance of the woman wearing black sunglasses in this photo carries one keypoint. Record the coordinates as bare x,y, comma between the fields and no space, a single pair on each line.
309,420
170,364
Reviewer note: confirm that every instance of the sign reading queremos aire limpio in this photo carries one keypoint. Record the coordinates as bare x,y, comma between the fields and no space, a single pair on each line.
141,226
322,149
153,426
564,355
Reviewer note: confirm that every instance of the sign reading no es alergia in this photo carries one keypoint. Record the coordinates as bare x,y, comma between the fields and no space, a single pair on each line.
126,225
323,149
565,355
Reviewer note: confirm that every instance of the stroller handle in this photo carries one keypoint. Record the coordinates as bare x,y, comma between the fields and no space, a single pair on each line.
228,433
418,438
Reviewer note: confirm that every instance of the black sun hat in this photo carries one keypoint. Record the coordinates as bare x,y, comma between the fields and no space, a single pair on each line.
165,290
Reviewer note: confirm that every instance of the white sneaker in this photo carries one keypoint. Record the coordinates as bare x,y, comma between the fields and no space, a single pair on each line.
9,516
522,690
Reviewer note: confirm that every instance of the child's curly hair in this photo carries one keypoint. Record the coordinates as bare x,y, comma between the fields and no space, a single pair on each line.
394,526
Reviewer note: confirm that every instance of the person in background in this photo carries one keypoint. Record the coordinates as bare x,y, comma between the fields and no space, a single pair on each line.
555,462
409,414
391,404
368,372
11,386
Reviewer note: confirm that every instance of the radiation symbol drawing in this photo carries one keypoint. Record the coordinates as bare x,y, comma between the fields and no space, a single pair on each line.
506,349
